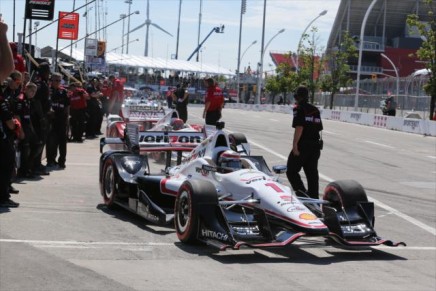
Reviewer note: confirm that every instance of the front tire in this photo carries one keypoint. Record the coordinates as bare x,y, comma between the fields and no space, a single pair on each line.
344,194
109,186
191,198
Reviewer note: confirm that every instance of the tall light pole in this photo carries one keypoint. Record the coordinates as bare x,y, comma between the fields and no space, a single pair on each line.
199,24
324,12
262,46
243,10
396,72
359,63
128,24
123,17
36,24
178,30
259,77
239,64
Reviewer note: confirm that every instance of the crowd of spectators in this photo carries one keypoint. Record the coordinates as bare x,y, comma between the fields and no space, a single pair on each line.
48,110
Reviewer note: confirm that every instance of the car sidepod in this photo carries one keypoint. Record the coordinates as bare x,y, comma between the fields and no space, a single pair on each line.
118,176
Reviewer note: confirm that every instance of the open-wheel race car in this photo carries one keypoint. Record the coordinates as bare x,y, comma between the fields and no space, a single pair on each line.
221,195
147,118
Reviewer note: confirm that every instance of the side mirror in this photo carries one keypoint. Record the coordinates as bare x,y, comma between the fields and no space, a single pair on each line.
280,169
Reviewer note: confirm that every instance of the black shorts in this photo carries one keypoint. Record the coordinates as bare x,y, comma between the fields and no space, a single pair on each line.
212,117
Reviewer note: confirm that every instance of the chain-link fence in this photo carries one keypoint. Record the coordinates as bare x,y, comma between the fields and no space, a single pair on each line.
411,96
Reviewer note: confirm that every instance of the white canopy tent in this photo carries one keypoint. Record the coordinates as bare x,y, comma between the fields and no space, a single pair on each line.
157,63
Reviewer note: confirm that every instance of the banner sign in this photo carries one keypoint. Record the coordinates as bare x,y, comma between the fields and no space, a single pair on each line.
98,62
68,27
91,46
39,9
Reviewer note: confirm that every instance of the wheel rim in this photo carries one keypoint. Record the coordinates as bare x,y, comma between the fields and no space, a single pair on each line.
183,215
109,183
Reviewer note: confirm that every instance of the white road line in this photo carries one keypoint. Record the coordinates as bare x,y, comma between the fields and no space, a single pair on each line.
408,218
431,157
83,243
274,120
379,144
330,132
133,246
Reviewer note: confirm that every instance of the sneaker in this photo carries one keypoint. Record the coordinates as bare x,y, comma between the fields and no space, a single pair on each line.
61,166
51,165
13,190
9,204
41,173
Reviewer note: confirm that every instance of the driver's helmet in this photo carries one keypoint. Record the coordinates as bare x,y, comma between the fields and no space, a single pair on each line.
177,123
230,160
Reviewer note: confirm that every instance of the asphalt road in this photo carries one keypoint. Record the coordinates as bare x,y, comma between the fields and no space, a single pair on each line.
63,238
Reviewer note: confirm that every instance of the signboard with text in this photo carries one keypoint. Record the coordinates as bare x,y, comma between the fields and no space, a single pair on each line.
39,9
68,27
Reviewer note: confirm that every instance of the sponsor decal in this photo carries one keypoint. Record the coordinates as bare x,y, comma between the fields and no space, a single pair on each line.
145,209
356,116
312,119
411,123
307,216
286,197
214,234
295,208
253,179
165,138
204,172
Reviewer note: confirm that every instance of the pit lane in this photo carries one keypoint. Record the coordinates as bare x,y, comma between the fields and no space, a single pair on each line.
63,238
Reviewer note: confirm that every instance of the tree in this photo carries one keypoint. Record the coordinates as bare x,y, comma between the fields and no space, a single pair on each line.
427,51
337,60
311,64
285,81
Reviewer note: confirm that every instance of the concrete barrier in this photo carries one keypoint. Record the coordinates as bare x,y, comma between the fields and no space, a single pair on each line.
417,126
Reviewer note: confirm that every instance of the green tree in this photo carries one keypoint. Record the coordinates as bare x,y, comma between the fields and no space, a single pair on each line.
427,51
337,61
311,63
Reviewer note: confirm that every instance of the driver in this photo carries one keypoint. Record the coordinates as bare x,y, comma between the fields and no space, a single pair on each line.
177,124
229,161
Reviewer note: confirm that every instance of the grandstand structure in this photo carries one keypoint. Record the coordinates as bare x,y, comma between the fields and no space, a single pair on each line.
386,32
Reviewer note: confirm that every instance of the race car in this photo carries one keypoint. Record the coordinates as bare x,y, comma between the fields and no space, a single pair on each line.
221,195
147,119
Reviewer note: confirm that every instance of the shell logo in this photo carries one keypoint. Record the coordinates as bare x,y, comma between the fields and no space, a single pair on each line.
307,216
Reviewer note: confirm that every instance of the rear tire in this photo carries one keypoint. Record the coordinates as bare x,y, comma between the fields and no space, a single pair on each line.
109,178
344,194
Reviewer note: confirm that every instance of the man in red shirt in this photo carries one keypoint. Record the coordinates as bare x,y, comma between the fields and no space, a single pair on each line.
20,64
214,102
116,96
78,97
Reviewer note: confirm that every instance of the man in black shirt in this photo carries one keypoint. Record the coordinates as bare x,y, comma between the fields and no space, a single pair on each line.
180,97
57,138
306,146
41,123
8,127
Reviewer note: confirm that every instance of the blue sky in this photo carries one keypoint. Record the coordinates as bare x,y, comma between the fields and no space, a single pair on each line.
219,49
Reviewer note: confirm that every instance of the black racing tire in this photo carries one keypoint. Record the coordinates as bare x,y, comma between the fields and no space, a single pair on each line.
186,210
344,194
236,139
109,179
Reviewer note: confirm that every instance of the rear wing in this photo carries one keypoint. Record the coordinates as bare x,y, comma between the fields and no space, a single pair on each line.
143,113
148,141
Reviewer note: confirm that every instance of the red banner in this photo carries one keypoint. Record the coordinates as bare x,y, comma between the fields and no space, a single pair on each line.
68,27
